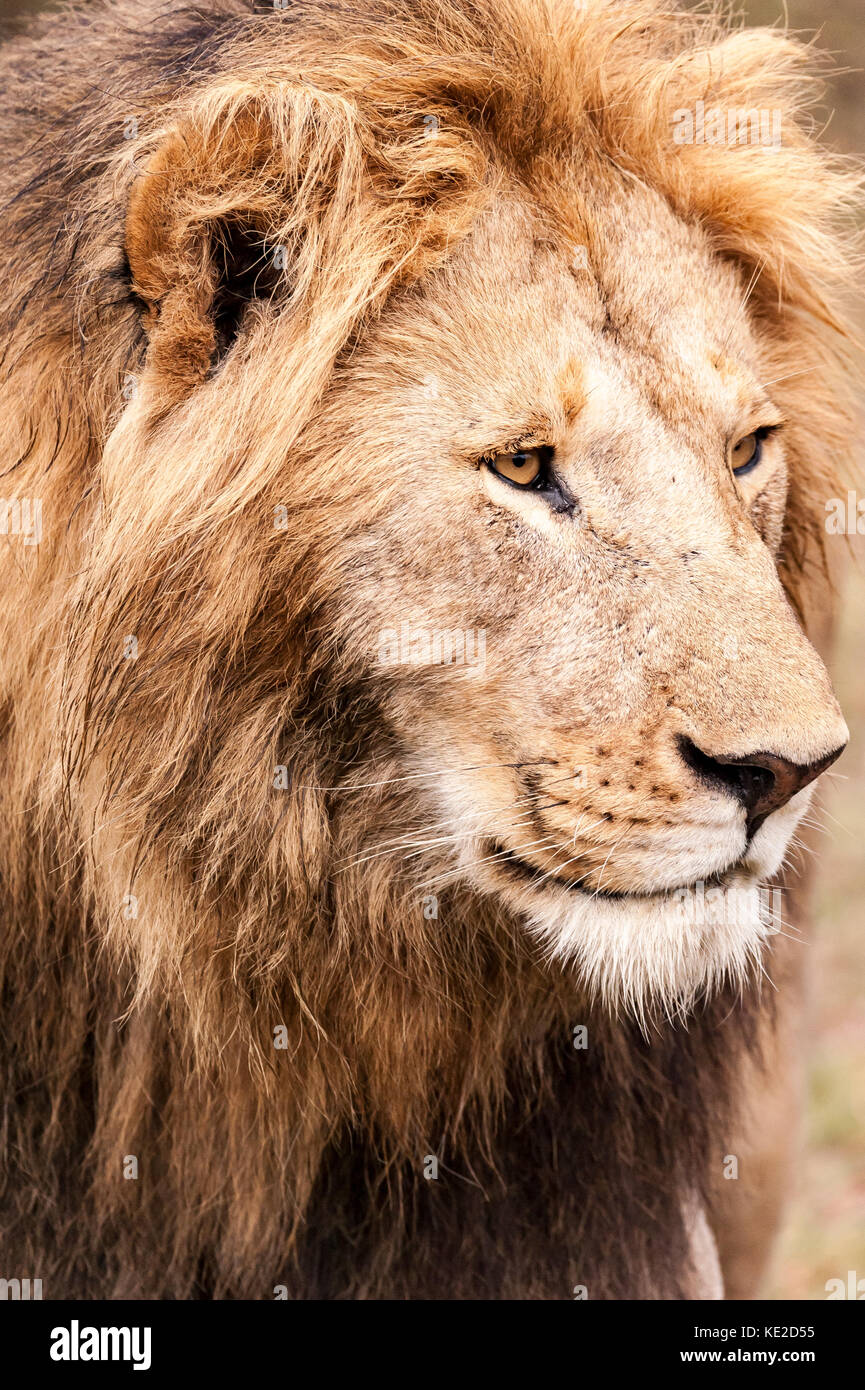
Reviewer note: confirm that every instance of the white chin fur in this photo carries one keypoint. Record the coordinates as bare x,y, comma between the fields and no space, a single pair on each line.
663,951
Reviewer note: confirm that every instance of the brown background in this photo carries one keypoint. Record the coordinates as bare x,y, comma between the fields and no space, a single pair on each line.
825,1233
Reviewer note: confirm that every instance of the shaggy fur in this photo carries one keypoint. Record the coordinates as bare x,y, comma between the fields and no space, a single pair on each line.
196,822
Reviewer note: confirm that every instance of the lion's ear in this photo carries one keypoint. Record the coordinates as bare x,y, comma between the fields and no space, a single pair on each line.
290,192
202,242
231,206
194,273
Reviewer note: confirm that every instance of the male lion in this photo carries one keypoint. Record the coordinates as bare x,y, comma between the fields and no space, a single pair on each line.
337,339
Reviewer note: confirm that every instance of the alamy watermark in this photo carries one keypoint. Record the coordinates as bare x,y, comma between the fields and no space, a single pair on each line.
77,1343
845,517
20,1290
721,905
853,1288
21,516
410,645
732,125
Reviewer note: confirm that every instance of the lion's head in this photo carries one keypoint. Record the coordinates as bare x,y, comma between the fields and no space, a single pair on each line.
560,579
536,398
431,451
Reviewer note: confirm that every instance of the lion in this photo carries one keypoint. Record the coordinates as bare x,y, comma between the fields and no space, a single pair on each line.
408,699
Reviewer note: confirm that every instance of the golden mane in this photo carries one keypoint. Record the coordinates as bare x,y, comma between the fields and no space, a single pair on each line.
170,896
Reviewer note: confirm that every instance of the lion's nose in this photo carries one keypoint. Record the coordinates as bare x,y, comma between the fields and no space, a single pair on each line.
761,781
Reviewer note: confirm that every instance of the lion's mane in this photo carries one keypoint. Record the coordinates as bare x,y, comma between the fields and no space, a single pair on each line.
166,907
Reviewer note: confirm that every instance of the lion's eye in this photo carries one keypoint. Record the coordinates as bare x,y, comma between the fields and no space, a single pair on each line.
745,455
523,468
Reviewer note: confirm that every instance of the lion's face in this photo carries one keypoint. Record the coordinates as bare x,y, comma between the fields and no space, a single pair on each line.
513,406
631,716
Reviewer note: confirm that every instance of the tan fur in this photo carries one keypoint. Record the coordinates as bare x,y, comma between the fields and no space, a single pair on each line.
270,500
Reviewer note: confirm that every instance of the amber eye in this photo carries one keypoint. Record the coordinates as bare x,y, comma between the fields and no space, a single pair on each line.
523,468
745,455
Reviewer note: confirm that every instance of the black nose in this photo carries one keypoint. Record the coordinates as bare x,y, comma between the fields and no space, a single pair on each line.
761,781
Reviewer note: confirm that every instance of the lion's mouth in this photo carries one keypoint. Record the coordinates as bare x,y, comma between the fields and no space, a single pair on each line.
532,876
505,859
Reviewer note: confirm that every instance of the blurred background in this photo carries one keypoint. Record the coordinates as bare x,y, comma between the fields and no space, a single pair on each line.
824,1235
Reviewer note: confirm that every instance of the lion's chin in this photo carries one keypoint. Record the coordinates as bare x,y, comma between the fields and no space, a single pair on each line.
659,952
646,953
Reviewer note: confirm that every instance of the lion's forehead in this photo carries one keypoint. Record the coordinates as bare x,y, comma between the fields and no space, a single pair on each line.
635,315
